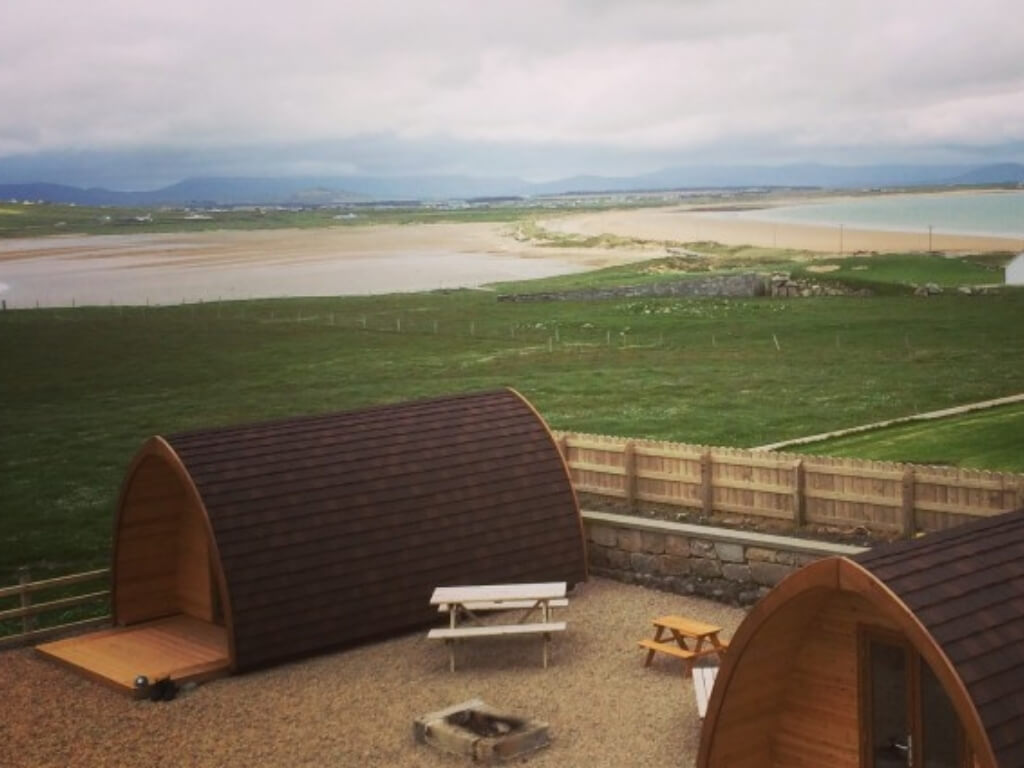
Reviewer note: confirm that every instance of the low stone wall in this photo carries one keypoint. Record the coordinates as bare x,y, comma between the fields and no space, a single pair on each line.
723,564
737,286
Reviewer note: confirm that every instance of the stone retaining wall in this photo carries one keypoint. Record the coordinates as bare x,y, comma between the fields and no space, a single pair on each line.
738,286
719,563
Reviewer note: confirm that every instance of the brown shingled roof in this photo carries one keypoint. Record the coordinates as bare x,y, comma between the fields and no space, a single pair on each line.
966,586
334,529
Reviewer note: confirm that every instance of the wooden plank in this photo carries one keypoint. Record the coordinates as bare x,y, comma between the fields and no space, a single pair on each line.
707,491
958,509
747,509
41,634
497,592
669,646
671,477
61,581
52,605
813,468
687,626
750,485
775,462
679,501
179,647
630,472
854,498
505,605
908,526
594,445
681,453
600,491
703,682
604,469
799,497
961,482
497,630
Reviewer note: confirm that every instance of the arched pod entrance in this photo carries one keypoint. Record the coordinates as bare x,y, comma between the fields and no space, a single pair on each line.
165,556
795,687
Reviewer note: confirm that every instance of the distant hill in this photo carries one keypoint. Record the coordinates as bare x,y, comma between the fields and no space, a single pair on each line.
1001,173
348,189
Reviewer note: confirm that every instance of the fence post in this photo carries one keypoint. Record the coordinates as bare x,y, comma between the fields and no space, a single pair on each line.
563,448
707,491
629,457
799,497
907,526
28,623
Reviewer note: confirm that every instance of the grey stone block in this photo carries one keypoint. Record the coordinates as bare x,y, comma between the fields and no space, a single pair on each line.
769,574
643,563
760,554
705,568
673,565
597,555
630,540
736,572
603,535
729,553
653,543
618,558
785,558
702,548
677,545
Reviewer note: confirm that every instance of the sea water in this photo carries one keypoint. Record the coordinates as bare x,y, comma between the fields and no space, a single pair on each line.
976,213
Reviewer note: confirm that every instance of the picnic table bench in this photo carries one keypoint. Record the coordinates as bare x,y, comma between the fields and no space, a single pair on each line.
466,602
690,640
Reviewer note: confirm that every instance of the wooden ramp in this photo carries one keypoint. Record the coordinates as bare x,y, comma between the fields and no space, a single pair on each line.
180,647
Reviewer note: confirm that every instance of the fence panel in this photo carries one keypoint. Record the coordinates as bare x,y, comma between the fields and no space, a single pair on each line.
885,497
25,616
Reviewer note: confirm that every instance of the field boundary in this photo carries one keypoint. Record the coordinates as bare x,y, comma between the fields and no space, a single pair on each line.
798,491
28,611
929,416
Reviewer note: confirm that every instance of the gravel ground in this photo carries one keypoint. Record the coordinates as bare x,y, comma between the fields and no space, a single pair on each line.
356,707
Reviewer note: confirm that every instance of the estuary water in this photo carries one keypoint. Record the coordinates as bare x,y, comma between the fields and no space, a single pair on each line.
977,213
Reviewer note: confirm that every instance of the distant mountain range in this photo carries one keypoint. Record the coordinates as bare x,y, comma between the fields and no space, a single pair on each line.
353,189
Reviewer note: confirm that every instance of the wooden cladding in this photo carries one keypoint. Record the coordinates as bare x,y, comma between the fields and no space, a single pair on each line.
882,496
163,550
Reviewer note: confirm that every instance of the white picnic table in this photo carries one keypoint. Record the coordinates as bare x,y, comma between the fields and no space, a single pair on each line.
464,604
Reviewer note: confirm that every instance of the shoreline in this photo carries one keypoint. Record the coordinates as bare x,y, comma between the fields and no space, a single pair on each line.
686,225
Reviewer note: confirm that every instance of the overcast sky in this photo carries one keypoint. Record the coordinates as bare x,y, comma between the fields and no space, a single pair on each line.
538,89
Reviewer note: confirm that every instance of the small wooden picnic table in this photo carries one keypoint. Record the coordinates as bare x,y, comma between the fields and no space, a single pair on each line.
467,602
690,640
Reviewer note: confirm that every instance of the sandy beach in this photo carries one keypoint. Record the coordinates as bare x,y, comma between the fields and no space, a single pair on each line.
210,266
225,265
682,224
356,707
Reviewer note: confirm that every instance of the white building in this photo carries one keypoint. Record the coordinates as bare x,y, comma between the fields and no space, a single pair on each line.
1015,270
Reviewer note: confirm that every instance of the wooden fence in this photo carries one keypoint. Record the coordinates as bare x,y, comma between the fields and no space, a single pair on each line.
29,610
884,497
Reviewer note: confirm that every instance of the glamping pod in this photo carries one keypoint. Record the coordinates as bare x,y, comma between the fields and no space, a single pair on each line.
910,654
276,540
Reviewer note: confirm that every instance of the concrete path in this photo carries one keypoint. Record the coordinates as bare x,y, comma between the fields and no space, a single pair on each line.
981,406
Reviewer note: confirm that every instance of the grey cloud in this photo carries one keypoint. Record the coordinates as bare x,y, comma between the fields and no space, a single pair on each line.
608,82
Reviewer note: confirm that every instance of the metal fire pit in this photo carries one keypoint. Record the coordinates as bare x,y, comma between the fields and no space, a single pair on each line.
480,732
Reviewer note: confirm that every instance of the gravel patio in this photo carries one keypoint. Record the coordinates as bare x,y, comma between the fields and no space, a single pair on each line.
356,707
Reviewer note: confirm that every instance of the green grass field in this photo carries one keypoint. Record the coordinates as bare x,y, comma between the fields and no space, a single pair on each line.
896,273
992,439
82,388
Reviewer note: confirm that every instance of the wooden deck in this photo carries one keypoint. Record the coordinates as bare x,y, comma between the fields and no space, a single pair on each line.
180,647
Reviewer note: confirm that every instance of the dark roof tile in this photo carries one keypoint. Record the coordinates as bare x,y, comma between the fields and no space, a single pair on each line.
335,528
966,586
